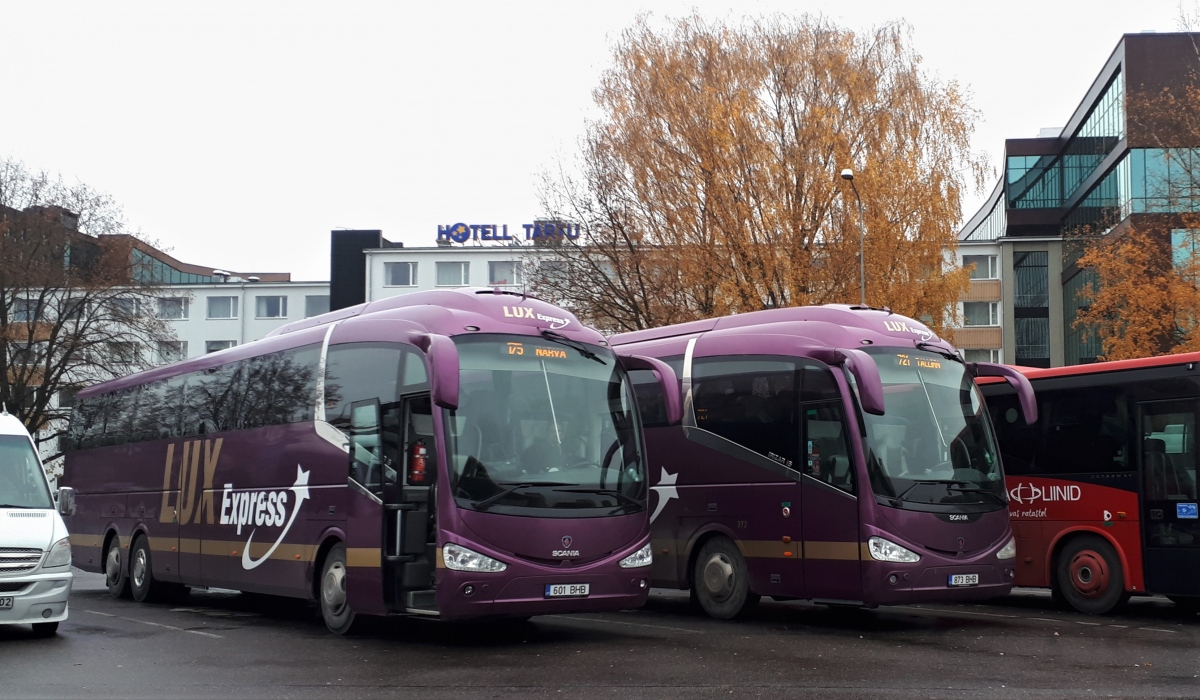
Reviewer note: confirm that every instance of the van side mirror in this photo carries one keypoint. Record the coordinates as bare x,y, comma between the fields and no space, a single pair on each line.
66,501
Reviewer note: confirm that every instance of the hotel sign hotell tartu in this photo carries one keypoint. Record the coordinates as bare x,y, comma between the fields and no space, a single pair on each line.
461,233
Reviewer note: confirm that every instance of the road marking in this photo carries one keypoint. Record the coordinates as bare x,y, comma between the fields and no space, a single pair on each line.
1155,629
971,612
630,624
156,624
1089,624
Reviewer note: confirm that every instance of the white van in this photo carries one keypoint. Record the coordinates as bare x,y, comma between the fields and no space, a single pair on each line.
35,554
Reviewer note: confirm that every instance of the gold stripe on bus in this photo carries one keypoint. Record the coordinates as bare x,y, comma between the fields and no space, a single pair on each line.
840,551
86,540
768,549
163,544
364,556
865,554
438,561
189,545
124,539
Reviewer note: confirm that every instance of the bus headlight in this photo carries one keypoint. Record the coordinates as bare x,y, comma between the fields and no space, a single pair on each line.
460,558
1009,550
886,550
59,554
642,557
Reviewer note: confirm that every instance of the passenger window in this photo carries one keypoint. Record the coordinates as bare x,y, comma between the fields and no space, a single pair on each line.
751,402
356,372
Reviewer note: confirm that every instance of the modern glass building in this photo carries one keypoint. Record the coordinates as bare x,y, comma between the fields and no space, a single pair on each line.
1116,163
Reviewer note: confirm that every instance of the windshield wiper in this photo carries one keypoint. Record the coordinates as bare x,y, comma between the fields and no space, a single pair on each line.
14,505
621,498
491,500
930,482
976,489
939,351
560,338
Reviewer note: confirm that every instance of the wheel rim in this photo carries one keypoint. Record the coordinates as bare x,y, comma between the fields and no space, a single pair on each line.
139,568
333,588
718,577
112,565
1089,574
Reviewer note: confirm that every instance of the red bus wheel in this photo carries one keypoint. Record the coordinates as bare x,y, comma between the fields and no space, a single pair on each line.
721,581
1089,575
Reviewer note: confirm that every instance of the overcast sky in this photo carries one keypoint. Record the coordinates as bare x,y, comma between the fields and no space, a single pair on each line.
238,134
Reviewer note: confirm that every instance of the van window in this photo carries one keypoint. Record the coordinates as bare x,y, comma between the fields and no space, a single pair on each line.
22,483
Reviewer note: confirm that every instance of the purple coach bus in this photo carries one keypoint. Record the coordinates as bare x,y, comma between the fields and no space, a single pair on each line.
839,454
456,454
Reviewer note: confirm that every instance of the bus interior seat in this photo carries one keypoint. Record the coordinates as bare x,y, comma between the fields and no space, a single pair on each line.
1165,480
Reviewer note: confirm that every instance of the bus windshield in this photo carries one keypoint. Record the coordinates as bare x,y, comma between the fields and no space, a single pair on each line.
22,484
934,444
545,427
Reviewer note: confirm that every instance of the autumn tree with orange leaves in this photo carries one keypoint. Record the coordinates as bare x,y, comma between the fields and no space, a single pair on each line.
711,184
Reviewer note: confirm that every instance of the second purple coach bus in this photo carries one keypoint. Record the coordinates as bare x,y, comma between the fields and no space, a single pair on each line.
457,454
836,453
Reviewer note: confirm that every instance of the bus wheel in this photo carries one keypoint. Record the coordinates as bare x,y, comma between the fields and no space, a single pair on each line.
1089,575
141,578
116,576
335,610
721,581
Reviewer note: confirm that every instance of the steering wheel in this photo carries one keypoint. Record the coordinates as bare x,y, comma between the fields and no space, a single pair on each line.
960,455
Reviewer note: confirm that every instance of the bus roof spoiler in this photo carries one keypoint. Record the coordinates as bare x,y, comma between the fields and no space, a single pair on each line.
441,362
666,377
1018,381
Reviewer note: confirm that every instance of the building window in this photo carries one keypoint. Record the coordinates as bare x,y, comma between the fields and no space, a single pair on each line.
504,272
453,274
400,274
315,305
24,310
270,307
66,397
27,353
123,353
981,313
222,307
216,345
1031,308
985,266
173,308
124,308
171,351
981,355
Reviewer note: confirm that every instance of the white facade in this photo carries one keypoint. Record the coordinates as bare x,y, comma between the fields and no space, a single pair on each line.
395,271
209,317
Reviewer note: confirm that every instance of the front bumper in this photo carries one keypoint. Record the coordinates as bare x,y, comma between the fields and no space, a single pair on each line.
521,596
42,599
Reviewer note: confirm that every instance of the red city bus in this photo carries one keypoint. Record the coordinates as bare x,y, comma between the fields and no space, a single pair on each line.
1103,487
455,454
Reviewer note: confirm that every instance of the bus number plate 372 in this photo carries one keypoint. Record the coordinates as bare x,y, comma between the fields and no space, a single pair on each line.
6,602
964,579
567,590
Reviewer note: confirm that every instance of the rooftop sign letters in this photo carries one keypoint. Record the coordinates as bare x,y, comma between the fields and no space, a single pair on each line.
461,233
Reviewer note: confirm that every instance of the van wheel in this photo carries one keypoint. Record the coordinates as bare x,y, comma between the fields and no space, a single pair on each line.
45,629
335,609
116,575
141,576
1089,576
721,580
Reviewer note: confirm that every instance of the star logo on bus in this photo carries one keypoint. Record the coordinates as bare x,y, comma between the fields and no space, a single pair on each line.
665,490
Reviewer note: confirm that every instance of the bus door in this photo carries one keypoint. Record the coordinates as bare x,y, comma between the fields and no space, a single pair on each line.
369,462
830,507
410,532
1170,522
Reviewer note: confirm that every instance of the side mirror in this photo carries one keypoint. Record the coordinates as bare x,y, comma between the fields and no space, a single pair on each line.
441,361
66,501
866,375
1018,381
666,379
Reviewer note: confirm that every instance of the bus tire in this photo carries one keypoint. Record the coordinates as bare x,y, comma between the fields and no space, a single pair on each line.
721,581
335,609
116,574
142,585
1089,575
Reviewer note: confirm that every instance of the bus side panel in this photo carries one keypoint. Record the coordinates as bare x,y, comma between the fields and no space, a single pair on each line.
1045,510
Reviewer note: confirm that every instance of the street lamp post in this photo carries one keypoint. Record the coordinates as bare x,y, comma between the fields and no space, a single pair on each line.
848,174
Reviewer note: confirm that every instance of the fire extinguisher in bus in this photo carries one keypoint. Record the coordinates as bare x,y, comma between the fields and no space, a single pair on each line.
416,462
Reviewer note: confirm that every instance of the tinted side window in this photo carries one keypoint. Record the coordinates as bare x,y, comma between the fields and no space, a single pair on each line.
281,387
751,402
1079,431
1018,442
358,371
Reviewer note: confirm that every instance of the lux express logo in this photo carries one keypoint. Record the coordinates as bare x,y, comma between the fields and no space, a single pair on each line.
555,322
267,508
904,327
